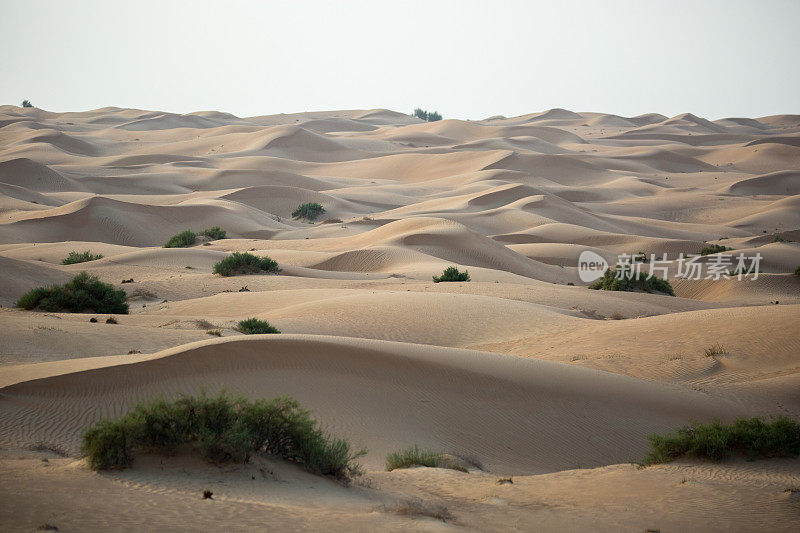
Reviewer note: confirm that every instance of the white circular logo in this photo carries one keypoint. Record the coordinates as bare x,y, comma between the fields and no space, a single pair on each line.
591,266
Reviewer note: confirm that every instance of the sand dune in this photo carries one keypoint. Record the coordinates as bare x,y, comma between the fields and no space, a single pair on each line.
33,176
516,400
105,220
777,183
522,368
26,274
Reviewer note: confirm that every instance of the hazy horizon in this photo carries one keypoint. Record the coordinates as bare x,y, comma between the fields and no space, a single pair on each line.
714,59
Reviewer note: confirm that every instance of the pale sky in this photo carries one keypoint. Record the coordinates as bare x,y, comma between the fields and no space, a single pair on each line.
468,60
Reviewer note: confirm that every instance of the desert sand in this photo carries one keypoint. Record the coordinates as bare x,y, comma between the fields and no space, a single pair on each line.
524,369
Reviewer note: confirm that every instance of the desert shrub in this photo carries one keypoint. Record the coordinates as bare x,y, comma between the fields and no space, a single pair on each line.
84,293
428,116
418,507
715,349
221,429
751,437
452,274
182,239
215,332
641,281
244,263
714,249
415,456
215,233
309,211
107,444
80,257
254,326
27,103
797,271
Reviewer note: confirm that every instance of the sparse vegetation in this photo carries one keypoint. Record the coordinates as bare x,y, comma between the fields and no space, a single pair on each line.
418,507
715,349
215,332
84,293
222,429
254,326
415,456
214,233
778,238
245,263
80,257
182,239
714,249
751,437
638,281
452,274
111,320
141,292
428,116
797,271
308,211
27,103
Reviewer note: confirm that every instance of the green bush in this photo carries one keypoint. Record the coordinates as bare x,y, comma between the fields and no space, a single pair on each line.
221,429
428,116
309,211
415,456
714,249
751,437
254,326
452,274
182,239
80,257
244,263
27,103
641,281
797,271
84,293
215,233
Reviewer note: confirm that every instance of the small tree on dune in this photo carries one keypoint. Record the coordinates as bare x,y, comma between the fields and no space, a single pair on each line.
428,116
27,103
